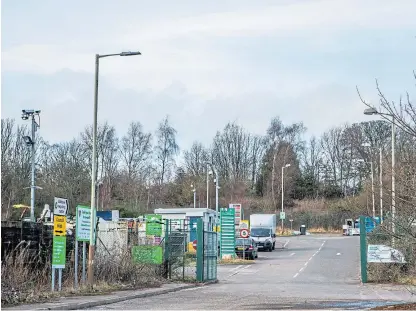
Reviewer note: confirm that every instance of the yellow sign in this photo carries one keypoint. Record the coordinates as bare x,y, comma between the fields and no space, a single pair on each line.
244,224
59,225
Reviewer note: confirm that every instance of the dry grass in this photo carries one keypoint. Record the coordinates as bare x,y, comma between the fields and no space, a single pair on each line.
235,261
324,230
26,278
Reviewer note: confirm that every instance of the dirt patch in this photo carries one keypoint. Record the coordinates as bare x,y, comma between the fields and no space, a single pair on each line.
407,306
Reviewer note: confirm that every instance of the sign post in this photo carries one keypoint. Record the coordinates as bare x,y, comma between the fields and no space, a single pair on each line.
60,209
363,250
82,234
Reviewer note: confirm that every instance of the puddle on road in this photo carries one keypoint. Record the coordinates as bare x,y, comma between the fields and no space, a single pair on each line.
322,305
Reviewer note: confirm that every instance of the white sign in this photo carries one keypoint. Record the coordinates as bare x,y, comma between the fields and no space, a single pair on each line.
83,223
384,254
60,206
282,215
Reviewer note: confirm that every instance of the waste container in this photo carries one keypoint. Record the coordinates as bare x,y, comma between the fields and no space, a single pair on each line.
302,230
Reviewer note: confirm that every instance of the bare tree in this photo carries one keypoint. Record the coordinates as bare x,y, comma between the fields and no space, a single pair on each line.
166,148
195,159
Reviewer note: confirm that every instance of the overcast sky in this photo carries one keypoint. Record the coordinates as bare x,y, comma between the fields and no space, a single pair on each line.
204,62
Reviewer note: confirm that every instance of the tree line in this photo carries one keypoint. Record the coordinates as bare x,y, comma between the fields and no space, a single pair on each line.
140,170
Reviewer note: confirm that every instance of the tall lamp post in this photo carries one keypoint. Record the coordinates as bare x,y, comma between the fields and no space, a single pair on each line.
209,172
194,191
30,141
94,163
283,193
373,111
372,184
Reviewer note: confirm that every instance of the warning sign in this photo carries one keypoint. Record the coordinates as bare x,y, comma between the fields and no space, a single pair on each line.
59,225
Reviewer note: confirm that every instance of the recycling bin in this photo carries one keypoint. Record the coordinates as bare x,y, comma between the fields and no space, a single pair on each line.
302,230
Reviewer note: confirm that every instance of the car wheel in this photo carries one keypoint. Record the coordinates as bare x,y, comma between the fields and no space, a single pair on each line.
270,248
257,256
273,246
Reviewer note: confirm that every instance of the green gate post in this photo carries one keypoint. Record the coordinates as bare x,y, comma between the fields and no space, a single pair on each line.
363,249
200,250
166,261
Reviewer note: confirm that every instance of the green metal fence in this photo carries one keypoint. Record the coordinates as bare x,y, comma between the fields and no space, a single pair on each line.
207,254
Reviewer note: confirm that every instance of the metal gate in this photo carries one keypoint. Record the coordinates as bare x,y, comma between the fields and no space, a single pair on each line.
207,254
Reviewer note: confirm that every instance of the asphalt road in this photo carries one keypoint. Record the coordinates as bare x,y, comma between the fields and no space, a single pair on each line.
304,272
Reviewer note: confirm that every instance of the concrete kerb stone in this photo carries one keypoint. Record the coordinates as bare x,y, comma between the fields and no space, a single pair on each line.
106,301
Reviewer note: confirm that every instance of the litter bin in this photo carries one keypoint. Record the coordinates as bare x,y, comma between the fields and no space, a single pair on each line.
302,230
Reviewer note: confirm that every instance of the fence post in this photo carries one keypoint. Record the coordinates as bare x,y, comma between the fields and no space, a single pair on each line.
363,249
200,251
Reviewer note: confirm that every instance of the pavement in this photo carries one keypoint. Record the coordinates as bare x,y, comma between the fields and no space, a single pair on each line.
305,272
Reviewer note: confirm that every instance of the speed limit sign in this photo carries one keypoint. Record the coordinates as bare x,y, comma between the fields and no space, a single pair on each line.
244,233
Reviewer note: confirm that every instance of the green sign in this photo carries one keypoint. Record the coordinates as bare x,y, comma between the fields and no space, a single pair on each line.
227,233
83,223
154,224
59,252
150,254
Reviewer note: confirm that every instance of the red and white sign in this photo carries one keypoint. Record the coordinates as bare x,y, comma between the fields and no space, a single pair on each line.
244,233
194,243
237,209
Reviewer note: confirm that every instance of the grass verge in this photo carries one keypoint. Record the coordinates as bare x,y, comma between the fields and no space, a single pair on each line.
235,261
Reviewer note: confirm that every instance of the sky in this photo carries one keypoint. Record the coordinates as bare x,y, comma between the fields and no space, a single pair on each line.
203,63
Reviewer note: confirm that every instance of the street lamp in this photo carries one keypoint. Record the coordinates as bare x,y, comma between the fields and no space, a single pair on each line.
209,172
373,111
194,191
283,168
30,142
94,162
372,184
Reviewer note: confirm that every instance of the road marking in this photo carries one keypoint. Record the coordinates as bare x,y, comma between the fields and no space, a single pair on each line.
338,254
236,268
306,263
301,269
287,242
310,259
295,275
292,254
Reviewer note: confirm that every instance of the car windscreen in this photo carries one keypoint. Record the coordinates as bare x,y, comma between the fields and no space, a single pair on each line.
240,242
258,232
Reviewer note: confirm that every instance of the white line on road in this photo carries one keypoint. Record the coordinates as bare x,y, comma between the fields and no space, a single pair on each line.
287,242
306,263
292,254
296,275
236,270
301,269
338,254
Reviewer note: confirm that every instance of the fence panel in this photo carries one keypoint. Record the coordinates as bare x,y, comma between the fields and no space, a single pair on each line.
180,254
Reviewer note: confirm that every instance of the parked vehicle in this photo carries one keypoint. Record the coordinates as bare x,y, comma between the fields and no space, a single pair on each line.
249,246
262,230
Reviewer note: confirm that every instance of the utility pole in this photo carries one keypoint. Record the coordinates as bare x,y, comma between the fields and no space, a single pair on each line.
283,193
393,179
194,191
30,141
207,185
372,189
381,185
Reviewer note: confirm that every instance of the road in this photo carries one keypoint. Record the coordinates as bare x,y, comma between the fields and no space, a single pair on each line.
310,272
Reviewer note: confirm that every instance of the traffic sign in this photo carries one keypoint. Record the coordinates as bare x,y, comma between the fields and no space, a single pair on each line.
83,223
60,206
194,244
59,225
282,215
244,233
58,252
